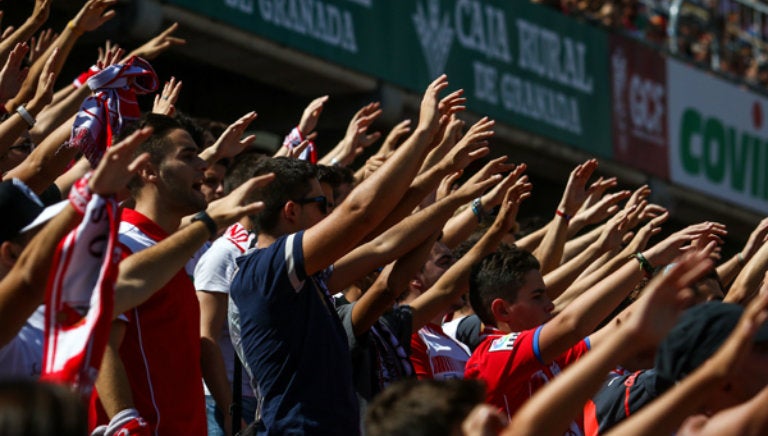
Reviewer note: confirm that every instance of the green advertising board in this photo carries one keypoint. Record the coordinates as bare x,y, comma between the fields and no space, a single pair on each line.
520,63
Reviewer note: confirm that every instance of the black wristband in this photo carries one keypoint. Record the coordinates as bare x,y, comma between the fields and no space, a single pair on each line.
206,219
645,266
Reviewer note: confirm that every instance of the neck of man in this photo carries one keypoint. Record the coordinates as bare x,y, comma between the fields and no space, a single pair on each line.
156,210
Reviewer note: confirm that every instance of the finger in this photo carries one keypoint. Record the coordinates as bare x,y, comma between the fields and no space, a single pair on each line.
172,28
137,163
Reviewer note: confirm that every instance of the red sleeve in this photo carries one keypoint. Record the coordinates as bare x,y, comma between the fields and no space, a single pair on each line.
419,357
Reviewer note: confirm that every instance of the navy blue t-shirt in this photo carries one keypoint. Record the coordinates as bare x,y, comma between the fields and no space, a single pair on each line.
294,343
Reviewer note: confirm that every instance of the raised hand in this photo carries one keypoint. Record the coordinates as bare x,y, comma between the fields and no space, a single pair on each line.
157,45
665,251
602,208
12,75
38,45
165,102
41,11
92,15
473,145
118,165
495,196
597,190
429,112
393,138
311,115
510,206
44,91
230,143
229,209
575,190
447,185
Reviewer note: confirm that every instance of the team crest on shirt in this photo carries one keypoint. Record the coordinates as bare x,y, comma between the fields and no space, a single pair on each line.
504,343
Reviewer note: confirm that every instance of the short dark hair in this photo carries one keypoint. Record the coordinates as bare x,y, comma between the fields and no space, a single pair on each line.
158,145
241,170
423,407
498,275
292,181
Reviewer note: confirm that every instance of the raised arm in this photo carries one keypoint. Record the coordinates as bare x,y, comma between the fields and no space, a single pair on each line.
406,235
664,415
23,289
23,33
90,17
455,281
144,272
550,251
747,282
553,408
370,202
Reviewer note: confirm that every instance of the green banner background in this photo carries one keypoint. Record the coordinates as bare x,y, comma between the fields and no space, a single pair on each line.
520,63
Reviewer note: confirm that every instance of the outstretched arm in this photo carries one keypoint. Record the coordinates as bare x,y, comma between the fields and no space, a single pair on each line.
23,289
552,408
664,415
370,202
550,251
455,281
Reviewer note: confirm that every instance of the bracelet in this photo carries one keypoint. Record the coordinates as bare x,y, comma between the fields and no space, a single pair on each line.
477,209
206,219
645,266
26,116
71,26
561,213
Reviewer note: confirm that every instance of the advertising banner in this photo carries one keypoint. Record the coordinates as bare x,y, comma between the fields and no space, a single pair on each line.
520,63
718,137
639,80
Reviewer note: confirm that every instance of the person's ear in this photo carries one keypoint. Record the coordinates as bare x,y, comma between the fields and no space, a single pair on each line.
290,212
9,253
148,173
500,310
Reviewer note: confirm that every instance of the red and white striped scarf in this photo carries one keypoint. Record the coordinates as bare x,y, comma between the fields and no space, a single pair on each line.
113,103
80,296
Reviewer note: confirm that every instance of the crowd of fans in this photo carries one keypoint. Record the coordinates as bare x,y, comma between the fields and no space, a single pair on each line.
728,36
159,276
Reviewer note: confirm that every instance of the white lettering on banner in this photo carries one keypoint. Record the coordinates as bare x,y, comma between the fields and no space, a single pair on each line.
542,51
316,19
526,98
245,6
619,74
482,28
435,35
485,83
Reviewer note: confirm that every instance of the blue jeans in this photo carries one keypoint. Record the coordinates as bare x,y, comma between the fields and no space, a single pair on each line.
216,417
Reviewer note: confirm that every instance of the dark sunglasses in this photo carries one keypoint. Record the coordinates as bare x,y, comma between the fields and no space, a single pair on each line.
321,201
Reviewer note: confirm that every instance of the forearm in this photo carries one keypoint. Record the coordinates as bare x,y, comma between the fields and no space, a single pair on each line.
23,289
455,281
143,273
561,278
532,240
459,228
46,162
390,245
58,113
728,270
392,282
422,186
112,383
550,251
215,373
12,128
21,34
575,246
64,43
747,282
551,410
586,311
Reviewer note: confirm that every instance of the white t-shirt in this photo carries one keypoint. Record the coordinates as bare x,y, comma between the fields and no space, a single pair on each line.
214,273
23,355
